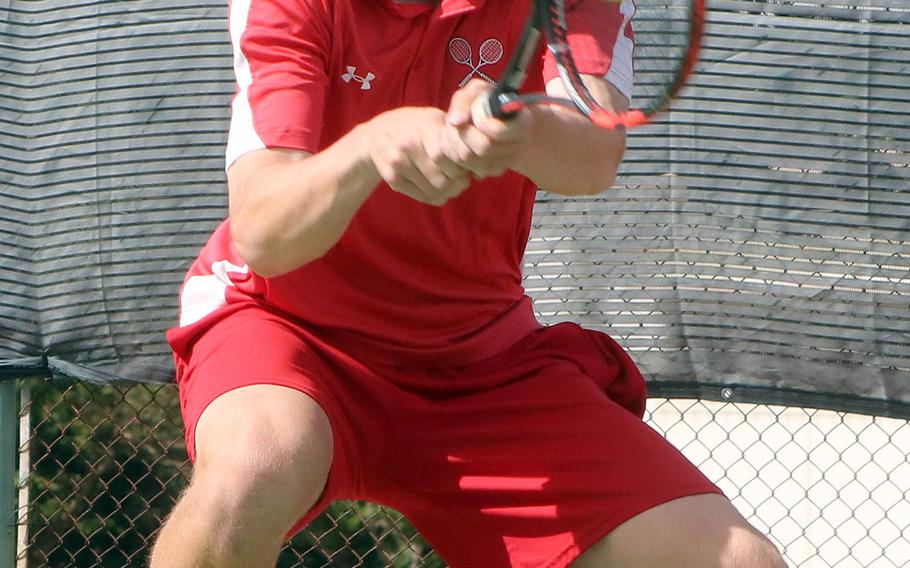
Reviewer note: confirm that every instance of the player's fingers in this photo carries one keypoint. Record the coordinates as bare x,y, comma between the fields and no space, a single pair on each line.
454,148
473,151
435,186
459,112
488,158
485,147
453,189
463,107
407,188
451,170
435,147
431,179
514,128
395,167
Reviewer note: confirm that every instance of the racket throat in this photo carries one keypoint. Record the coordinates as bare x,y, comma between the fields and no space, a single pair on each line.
518,68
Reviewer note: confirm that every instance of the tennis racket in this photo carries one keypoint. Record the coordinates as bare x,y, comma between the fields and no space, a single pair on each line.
667,40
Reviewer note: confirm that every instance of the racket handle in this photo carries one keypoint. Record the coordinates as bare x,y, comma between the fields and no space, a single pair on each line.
502,106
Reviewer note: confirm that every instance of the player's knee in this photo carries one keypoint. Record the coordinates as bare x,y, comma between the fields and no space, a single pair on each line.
753,550
264,444
700,530
265,464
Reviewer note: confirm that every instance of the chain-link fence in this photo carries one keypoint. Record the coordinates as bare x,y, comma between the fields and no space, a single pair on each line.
105,465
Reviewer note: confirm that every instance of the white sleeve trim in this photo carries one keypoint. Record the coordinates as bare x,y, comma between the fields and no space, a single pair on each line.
242,136
621,72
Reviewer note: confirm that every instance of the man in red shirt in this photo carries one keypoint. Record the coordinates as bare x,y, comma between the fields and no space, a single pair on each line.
357,328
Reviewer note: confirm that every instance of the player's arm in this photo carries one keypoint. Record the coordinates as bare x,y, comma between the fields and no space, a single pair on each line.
291,198
565,153
560,150
290,207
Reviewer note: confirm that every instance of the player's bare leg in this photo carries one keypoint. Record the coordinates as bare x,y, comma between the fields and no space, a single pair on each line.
263,457
702,531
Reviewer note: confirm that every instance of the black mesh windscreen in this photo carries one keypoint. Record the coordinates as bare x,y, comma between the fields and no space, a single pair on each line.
757,245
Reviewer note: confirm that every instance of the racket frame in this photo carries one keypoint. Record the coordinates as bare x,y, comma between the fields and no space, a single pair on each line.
547,20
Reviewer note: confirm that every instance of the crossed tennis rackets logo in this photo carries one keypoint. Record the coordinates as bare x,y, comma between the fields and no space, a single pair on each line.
489,53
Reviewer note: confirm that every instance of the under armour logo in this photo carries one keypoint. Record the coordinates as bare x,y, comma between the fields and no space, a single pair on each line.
490,52
364,80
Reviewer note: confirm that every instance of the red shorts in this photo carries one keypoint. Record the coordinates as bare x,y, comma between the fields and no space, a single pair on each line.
525,459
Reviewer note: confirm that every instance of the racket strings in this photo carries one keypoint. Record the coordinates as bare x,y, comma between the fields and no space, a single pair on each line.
460,50
671,35
491,52
668,39
558,44
666,45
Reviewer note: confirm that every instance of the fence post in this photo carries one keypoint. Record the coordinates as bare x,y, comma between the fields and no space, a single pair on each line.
9,439
25,470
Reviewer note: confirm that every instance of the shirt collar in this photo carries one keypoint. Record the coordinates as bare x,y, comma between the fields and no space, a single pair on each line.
446,9
450,8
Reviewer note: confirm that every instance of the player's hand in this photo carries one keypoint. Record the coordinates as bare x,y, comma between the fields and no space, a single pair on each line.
405,146
486,149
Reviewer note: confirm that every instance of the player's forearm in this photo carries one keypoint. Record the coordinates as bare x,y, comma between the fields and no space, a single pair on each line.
567,154
292,212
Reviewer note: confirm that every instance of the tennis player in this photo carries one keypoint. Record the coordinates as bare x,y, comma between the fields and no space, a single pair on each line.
357,328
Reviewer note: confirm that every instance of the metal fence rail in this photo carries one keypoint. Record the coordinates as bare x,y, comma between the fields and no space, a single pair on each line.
107,464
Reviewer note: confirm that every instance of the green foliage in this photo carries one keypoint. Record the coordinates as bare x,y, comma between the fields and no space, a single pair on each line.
359,534
108,464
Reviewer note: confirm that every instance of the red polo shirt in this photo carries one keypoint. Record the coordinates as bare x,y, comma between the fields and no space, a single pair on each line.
408,283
